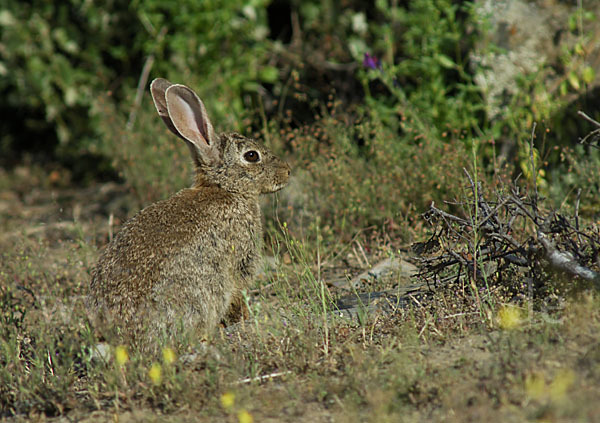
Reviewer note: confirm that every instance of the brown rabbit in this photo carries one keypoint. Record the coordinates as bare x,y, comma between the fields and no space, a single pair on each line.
181,264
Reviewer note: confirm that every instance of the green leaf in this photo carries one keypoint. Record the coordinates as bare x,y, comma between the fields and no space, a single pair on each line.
6,18
574,80
357,48
445,61
588,75
572,23
251,86
564,89
269,74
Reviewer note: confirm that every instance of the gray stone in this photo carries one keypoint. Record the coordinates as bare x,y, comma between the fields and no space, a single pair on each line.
531,36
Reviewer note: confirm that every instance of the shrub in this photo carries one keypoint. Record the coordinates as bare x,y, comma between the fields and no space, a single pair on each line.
57,59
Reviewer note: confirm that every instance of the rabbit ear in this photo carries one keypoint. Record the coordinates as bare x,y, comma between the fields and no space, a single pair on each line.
188,114
158,89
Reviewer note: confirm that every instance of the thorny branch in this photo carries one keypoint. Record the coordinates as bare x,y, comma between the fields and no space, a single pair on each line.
497,243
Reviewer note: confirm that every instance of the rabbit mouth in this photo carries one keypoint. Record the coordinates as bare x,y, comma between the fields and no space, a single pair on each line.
278,187
275,187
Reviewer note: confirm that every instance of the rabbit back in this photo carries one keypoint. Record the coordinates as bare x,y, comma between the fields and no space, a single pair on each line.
179,262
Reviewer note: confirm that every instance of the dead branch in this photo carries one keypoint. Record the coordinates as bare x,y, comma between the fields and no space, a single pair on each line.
565,262
594,135
142,82
509,235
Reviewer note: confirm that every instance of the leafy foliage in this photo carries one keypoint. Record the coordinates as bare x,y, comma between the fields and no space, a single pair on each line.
424,65
57,59
402,71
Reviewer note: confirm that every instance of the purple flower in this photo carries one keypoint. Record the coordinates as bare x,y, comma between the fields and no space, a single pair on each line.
371,61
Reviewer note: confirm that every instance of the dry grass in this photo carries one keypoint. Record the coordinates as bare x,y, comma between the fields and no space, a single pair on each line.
445,361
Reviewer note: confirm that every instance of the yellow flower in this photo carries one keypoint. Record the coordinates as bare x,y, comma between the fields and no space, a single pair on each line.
245,417
121,355
227,400
169,356
509,317
561,384
535,387
155,373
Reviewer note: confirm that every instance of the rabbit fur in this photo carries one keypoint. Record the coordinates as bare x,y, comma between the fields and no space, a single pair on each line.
181,264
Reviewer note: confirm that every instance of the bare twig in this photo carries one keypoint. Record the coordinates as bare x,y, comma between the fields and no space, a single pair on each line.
589,119
262,378
595,134
494,212
447,216
143,80
532,159
577,214
516,236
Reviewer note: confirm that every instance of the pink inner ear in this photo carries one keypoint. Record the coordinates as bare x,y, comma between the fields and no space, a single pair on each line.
187,118
190,118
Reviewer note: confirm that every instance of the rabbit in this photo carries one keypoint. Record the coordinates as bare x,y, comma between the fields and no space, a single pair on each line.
181,264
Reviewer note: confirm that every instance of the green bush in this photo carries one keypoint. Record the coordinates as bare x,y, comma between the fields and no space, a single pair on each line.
419,55
70,74
58,58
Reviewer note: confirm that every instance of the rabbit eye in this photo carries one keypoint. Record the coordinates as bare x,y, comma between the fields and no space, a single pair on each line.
251,156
